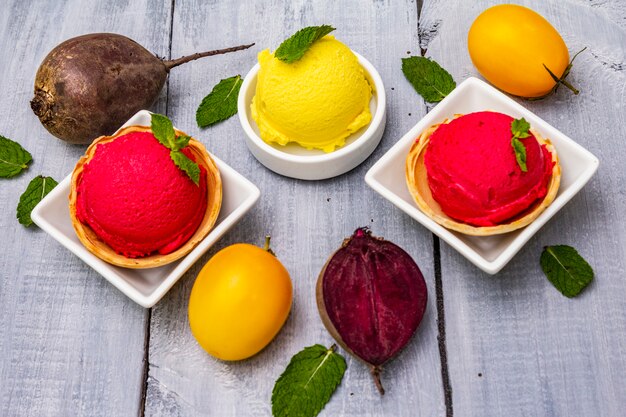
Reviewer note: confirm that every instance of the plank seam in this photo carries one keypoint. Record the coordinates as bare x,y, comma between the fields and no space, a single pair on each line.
169,56
420,5
441,328
146,364
441,317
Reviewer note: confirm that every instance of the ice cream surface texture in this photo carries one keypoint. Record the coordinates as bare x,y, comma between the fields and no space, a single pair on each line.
134,198
473,173
317,101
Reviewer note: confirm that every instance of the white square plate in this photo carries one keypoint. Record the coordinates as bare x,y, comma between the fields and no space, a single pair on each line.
489,253
146,286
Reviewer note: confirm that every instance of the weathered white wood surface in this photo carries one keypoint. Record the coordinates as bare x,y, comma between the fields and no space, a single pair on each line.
71,344
516,346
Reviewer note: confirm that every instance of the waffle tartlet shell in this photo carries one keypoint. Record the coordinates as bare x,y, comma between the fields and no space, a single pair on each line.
417,183
103,251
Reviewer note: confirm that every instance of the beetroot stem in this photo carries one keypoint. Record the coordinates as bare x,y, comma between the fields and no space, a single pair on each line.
375,371
169,64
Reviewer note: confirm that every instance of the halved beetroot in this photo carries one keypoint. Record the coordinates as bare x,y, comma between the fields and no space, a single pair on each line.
371,297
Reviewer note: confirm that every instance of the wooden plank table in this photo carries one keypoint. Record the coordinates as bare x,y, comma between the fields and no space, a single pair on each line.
504,345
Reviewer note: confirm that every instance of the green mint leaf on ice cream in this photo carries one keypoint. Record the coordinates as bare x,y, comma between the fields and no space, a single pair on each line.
37,189
428,78
520,153
519,129
183,162
13,158
163,130
221,103
309,381
180,142
566,269
296,46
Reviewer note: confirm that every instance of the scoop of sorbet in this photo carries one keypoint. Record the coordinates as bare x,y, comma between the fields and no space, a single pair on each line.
134,198
317,101
473,173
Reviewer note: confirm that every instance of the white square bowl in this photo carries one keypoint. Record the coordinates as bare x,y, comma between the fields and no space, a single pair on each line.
489,253
146,286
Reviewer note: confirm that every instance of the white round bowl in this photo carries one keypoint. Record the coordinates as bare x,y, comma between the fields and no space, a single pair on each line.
296,161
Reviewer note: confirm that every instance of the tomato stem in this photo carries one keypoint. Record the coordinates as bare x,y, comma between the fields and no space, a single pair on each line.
266,247
567,70
571,87
558,81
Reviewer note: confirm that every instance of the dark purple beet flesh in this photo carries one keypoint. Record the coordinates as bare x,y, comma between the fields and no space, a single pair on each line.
372,297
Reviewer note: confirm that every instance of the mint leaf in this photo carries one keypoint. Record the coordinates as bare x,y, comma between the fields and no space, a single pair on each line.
163,130
307,384
566,269
183,162
180,142
296,46
428,78
519,129
13,158
221,103
520,153
37,189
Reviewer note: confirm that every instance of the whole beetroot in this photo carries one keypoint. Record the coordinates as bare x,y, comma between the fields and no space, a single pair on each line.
371,296
89,85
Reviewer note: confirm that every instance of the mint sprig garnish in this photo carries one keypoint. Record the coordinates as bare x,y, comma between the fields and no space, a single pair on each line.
307,384
566,269
519,129
296,46
37,189
163,131
191,168
520,153
428,78
13,158
221,103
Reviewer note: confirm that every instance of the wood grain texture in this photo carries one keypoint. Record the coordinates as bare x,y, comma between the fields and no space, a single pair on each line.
307,220
70,343
516,346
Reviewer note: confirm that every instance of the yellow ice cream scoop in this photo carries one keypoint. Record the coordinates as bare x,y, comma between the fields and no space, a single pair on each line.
317,101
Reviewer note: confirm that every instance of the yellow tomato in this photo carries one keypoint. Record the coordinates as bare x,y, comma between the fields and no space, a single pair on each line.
510,44
239,302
